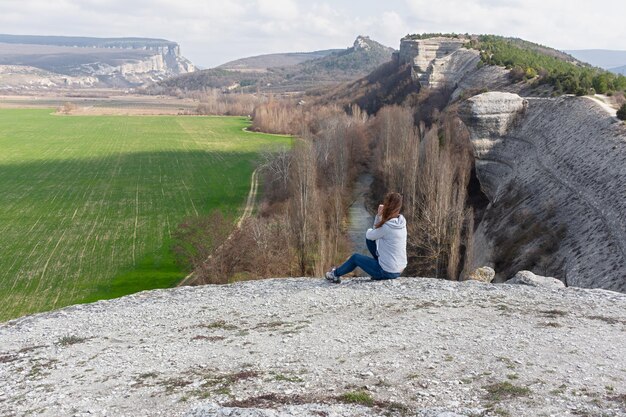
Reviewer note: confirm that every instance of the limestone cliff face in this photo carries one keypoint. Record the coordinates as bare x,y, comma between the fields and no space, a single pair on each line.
20,77
553,170
176,63
489,117
165,62
92,64
444,62
437,61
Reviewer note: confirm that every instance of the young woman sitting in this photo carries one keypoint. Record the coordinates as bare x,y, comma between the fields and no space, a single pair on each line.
386,242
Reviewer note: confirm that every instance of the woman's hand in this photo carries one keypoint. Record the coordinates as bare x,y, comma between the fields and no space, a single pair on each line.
380,209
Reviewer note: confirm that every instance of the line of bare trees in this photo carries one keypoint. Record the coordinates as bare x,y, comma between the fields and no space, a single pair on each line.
431,167
280,116
313,184
215,102
300,226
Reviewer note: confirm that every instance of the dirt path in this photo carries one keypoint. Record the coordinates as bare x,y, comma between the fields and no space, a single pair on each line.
605,106
245,129
254,185
247,212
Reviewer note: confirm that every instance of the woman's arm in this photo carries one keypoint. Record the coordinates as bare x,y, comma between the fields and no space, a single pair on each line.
376,220
374,234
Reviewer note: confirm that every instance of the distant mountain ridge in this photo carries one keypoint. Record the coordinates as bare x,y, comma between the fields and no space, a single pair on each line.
261,63
335,67
619,70
84,42
612,60
47,62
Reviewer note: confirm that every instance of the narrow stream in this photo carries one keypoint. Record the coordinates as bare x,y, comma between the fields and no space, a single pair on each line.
359,218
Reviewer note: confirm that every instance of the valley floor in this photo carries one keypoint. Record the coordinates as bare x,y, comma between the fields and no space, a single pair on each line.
102,102
303,347
90,205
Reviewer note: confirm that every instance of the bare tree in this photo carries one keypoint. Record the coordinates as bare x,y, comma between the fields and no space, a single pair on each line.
67,108
213,101
278,117
277,167
431,169
303,208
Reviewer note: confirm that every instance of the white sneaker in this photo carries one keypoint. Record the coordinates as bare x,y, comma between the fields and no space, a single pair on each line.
330,276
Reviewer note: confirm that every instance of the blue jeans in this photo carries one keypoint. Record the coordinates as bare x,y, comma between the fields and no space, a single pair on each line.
367,264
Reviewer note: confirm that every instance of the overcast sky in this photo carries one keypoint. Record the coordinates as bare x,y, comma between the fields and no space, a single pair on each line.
212,32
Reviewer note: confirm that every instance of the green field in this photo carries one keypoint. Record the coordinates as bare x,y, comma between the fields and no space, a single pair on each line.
88,203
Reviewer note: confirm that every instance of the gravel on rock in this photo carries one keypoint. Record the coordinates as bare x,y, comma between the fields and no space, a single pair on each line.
301,347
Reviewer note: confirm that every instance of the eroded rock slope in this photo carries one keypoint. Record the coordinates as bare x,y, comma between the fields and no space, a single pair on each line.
560,163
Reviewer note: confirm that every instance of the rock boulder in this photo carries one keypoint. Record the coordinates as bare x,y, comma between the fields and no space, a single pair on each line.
483,274
528,278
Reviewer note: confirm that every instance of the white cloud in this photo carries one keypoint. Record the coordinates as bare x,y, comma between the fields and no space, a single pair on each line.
573,24
392,27
213,31
277,9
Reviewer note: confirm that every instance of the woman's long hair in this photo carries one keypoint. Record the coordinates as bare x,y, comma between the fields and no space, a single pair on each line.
393,204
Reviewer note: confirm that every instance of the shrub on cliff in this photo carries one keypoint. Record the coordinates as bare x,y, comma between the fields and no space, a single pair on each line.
528,60
418,36
621,113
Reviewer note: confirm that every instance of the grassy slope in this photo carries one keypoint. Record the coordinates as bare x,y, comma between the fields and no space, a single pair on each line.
87,204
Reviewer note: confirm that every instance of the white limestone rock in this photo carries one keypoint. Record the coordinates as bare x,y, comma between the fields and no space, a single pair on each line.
492,113
561,160
489,116
167,353
438,61
441,61
362,43
482,274
528,278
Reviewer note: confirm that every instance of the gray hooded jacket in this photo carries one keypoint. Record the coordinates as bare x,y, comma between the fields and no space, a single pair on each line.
391,243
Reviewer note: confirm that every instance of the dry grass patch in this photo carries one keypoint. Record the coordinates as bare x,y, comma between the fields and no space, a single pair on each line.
505,391
357,397
608,320
71,340
208,338
553,314
218,324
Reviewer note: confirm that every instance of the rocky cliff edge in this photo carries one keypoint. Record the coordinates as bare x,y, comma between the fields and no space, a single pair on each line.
304,347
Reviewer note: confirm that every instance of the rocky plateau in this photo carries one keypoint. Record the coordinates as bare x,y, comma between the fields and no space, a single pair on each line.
35,63
305,347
